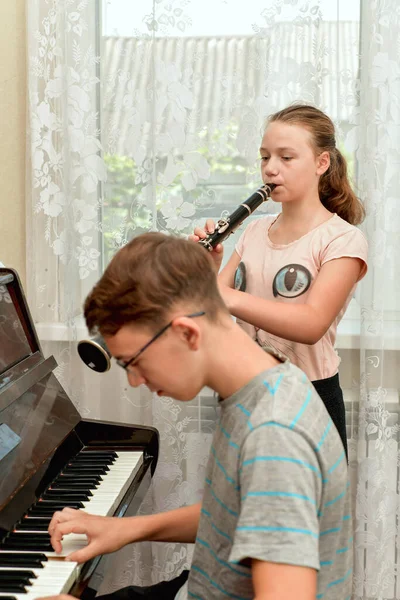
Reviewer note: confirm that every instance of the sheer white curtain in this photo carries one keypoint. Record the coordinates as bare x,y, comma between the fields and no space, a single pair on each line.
375,138
148,116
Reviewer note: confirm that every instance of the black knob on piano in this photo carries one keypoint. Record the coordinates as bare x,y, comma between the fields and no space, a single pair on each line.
95,354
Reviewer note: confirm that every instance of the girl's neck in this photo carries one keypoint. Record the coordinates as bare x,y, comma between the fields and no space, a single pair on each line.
304,215
296,220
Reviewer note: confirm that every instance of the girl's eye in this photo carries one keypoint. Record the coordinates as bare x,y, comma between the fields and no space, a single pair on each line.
265,158
287,157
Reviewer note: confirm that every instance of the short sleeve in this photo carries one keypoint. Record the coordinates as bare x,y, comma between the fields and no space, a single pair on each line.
280,489
350,244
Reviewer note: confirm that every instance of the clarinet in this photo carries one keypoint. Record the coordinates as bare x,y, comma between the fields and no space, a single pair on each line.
229,224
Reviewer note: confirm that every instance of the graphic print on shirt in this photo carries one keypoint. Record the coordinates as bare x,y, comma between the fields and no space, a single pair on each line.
291,281
240,277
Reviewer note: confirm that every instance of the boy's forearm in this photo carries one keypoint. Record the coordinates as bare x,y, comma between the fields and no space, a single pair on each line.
178,525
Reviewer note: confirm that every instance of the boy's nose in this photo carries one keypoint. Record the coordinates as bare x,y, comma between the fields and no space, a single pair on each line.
135,379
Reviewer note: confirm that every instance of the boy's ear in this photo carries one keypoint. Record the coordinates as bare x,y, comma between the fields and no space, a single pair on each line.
188,331
323,162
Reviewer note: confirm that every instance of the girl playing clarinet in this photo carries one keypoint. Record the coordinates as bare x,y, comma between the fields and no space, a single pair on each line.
301,266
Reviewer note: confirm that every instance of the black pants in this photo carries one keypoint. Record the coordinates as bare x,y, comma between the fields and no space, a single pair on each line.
166,590
332,396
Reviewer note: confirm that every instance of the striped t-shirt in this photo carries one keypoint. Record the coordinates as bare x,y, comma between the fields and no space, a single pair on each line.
276,490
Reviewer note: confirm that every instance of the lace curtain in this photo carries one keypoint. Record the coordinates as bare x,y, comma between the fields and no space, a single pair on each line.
149,118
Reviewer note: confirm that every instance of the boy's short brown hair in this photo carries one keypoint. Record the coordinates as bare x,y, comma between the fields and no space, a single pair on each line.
149,276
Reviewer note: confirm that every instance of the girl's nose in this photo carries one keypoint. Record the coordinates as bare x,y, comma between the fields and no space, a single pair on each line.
271,167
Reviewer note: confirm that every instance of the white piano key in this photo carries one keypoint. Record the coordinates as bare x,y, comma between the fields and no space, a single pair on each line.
56,577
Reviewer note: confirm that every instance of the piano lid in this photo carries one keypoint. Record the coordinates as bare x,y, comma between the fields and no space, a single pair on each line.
36,415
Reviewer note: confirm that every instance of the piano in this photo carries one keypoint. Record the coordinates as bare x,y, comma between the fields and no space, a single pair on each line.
51,458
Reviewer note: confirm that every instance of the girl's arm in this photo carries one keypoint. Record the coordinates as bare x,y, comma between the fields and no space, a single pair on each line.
305,323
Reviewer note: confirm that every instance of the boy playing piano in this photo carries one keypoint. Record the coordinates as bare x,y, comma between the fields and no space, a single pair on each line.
274,522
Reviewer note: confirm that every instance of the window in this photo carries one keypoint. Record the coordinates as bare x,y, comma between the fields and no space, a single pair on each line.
196,78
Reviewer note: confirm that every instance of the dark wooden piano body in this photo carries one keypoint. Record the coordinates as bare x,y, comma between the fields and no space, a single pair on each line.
41,430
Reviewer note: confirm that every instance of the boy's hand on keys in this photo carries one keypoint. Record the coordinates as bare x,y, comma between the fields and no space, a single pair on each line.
104,534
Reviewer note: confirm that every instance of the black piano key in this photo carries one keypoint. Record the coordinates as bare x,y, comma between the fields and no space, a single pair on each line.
22,538
13,587
43,512
78,486
65,496
31,526
24,543
33,560
8,598
11,578
84,477
47,509
102,460
56,504
91,460
27,536
18,573
90,484
89,463
81,470
36,520
98,453
38,545
86,466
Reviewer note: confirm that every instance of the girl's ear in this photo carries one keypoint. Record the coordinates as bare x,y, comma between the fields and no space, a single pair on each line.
323,162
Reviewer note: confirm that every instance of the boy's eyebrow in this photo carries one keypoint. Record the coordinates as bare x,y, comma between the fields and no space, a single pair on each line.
124,357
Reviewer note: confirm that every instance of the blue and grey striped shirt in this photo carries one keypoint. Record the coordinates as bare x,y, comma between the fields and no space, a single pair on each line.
276,490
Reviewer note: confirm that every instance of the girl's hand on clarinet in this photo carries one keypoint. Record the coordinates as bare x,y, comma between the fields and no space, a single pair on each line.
200,234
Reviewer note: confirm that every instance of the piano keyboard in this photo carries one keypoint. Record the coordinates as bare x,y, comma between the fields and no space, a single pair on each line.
92,481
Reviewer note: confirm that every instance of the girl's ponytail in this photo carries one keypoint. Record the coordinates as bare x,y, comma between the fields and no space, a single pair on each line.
336,193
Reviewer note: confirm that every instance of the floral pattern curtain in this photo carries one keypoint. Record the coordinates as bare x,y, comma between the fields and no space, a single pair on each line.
158,128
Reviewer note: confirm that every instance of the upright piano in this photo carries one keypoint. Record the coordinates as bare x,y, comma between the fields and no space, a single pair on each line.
51,458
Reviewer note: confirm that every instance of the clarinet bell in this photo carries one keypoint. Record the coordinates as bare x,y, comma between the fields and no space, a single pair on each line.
95,354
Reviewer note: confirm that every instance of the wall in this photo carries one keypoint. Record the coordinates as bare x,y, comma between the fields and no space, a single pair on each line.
12,134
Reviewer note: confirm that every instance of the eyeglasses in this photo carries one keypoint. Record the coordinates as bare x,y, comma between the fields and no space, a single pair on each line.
127,364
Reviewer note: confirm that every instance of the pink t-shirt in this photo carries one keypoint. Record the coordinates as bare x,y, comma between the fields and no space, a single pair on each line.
286,272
